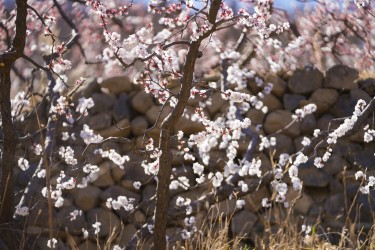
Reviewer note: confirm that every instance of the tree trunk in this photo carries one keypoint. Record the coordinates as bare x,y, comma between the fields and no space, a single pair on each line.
9,234
165,160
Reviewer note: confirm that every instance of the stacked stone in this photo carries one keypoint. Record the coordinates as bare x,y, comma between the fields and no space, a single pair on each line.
122,109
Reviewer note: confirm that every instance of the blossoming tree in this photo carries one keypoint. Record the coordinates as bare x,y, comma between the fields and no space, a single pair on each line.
177,43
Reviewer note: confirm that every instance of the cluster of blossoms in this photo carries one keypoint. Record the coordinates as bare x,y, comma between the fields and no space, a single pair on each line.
63,182
23,164
236,96
84,104
365,189
89,136
67,153
181,181
260,19
114,157
267,143
369,134
199,30
341,131
306,110
22,211
96,226
251,168
121,202
61,106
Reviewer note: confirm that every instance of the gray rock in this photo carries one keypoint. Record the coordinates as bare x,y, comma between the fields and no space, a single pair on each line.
366,205
117,85
216,103
367,85
341,77
256,116
324,99
87,198
279,85
305,81
334,165
117,173
138,125
308,124
122,108
139,217
292,102
109,221
254,199
134,170
363,159
126,234
152,114
103,178
334,206
243,223
325,122
129,185
303,204
100,121
120,129
87,89
142,102
73,226
102,103
278,120
284,144
345,103
272,102
357,94
222,209
312,176
298,142
344,106
88,244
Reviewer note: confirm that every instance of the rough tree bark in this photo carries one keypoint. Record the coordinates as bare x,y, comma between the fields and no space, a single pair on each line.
165,160
10,139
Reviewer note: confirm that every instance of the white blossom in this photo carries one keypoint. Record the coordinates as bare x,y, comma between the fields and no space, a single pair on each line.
217,179
185,234
41,173
240,204
74,214
88,135
22,211
84,104
85,233
198,168
137,185
266,202
96,226
23,164
52,244
359,174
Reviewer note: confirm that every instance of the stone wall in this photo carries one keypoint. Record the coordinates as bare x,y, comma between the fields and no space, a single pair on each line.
122,109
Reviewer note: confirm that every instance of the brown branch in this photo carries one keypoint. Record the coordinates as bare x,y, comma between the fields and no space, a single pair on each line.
165,160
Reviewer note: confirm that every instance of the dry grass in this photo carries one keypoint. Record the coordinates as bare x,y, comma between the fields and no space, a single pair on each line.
366,74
